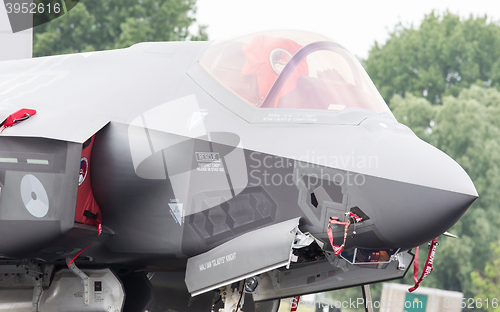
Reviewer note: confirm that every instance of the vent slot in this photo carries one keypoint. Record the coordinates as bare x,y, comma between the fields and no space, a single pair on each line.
360,213
314,201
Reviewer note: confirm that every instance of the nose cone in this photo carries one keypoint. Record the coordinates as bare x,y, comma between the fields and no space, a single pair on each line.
417,191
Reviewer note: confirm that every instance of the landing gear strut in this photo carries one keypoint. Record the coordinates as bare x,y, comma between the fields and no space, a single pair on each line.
367,296
233,297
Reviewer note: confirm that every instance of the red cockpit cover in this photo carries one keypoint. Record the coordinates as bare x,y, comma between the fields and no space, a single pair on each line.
257,63
87,210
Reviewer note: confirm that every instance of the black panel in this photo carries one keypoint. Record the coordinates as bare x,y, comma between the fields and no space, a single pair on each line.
97,286
138,292
250,209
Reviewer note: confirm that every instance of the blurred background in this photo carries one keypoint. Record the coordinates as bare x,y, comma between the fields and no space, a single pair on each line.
436,63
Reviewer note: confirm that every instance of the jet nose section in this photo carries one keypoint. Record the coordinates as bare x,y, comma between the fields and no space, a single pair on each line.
418,192
408,215
401,156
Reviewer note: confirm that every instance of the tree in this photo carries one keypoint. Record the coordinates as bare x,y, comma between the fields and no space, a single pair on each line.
488,282
106,24
467,128
440,57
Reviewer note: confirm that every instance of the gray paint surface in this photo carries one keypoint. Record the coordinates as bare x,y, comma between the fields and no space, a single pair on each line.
245,256
179,168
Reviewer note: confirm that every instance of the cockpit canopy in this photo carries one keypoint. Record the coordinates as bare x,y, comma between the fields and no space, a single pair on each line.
292,69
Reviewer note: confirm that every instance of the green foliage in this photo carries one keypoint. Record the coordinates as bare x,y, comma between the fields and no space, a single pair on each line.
488,282
467,128
440,57
106,24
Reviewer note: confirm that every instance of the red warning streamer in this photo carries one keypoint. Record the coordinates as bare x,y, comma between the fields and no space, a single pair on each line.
17,117
99,231
338,249
295,304
428,265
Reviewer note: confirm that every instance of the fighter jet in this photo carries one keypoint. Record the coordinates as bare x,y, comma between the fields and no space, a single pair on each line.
198,176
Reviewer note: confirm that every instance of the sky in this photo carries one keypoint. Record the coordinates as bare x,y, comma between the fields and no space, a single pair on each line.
354,24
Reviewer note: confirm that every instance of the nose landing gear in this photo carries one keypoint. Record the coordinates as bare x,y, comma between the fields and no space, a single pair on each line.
232,297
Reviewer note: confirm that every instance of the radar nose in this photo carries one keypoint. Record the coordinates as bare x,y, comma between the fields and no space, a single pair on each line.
418,192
